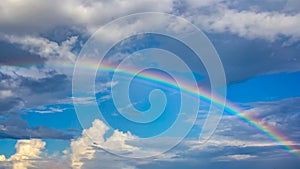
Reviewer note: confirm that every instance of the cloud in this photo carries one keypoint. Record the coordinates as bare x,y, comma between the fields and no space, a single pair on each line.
47,110
41,78
50,50
235,29
87,152
5,94
54,83
27,151
235,157
13,55
23,88
8,101
281,115
96,148
221,17
17,128
72,13
256,25
214,16
92,139
211,15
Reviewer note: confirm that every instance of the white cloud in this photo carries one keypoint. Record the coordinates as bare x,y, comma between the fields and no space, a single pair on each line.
218,142
83,100
203,3
92,140
237,157
88,16
27,151
87,151
45,48
39,16
5,94
50,110
248,24
58,57
2,158
26,72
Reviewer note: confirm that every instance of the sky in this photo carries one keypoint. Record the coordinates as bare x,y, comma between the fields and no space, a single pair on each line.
150,84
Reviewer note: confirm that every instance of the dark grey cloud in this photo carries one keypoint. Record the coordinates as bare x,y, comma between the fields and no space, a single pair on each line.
19,93
9,104
52,84
13,55
8,101
16,128
243,59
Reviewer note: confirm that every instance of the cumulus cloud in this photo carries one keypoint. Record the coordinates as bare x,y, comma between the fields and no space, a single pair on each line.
27,151
87,151
92,139
96,148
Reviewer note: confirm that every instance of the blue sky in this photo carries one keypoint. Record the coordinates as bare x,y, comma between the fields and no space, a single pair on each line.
258,43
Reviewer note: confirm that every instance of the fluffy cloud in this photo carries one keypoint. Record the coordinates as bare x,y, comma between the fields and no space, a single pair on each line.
87,151
214,16
73,13
92,140
254,25
27,151
51,51
221,17
84,15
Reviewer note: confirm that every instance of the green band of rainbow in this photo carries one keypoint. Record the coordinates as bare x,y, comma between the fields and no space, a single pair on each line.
206,96
195,92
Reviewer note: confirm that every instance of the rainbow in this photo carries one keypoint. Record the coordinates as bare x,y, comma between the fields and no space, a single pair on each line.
195,92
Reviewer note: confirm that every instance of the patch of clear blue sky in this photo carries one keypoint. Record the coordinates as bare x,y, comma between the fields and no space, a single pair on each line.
67,119
56,146
265,88
7,147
